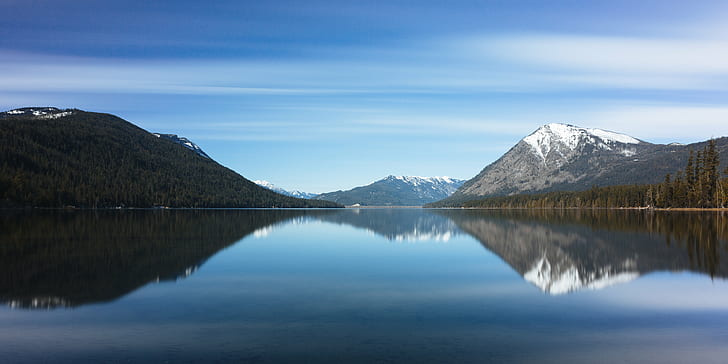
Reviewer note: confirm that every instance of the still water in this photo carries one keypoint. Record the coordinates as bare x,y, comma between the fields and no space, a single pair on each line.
369,285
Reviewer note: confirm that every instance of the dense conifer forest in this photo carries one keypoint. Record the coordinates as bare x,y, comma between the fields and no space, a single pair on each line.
700,185
94,160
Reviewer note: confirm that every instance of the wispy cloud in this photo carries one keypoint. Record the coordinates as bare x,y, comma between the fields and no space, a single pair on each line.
508,63
688,123
614,54
568,61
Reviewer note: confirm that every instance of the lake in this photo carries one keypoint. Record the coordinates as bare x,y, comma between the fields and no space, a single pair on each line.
363,285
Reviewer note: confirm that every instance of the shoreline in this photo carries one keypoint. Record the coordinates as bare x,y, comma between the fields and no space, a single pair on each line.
717,209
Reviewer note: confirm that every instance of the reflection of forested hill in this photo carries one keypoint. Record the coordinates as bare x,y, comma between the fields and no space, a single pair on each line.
396,224
568,250
54,258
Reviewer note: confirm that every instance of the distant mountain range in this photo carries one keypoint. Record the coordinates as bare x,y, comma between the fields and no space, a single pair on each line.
396,191
561,157
293,193
58,158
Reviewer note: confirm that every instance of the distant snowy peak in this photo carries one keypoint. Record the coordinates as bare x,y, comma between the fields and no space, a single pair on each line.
417,180
38,112
426,186
565,138
293,193
396,191
184,142
266,184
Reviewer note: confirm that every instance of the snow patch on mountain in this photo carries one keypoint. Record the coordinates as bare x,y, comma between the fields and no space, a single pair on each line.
266,184
555,137
39,112
418,180
612,136
183,142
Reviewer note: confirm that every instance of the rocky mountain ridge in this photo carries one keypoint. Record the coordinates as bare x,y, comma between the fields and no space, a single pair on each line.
396,191
562,157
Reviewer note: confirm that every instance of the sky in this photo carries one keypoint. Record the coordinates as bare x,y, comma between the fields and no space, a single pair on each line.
320,96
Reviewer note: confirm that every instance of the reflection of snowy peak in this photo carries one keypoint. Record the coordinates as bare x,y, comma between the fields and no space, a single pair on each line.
567,278
184,142
402,225
552,259
568,253
274,188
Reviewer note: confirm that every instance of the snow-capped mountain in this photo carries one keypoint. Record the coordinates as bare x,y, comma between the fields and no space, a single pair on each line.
557,144
38,112
397,191
293,193
184,142
561,157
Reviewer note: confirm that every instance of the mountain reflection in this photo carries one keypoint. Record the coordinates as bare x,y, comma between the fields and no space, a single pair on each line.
562,251
397,224
70,258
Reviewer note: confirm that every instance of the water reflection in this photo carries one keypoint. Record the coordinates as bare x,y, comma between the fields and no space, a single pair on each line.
397,224
568,250
70,258
65,259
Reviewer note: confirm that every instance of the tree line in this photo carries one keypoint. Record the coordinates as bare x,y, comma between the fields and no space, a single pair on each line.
699,185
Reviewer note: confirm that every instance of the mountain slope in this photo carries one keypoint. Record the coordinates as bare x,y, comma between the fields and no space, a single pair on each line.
54,158
559,157
294,193
396,191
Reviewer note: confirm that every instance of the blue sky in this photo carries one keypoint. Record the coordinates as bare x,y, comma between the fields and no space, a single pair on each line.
327,95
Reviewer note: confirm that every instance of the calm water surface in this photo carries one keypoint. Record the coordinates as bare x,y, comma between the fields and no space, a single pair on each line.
390,285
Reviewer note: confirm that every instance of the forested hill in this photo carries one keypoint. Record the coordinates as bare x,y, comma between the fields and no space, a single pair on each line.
57,158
